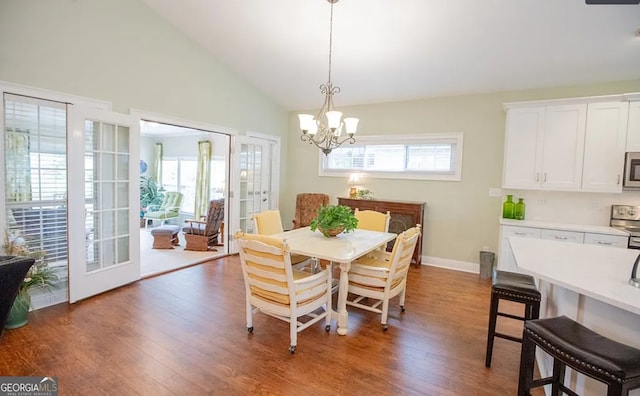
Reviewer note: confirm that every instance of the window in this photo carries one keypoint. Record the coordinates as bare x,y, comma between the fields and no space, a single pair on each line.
426,157
179,174
35,139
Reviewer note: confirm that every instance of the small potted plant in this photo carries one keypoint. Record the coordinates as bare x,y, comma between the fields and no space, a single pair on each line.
334,219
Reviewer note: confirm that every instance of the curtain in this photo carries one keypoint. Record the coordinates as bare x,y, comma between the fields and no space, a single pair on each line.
157,164
18,165
202,179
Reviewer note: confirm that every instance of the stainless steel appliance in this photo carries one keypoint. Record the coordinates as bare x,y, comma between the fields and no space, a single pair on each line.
632,171
627,218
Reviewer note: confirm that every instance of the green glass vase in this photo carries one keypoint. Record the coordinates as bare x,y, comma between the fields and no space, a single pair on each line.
508,208
519,209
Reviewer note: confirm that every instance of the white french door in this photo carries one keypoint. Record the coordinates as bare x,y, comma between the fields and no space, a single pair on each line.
103,201
252,181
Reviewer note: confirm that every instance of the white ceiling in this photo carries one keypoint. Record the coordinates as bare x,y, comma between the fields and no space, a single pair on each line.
391,50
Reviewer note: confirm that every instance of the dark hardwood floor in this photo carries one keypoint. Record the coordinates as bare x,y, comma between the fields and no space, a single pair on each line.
184,333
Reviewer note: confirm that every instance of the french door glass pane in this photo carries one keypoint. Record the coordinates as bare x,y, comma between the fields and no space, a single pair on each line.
107,164
250,184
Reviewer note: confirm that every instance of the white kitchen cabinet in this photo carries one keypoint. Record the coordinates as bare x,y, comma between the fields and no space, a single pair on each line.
604,147
523,147
606,240
544,147
563,150
603,236
506,261
633,127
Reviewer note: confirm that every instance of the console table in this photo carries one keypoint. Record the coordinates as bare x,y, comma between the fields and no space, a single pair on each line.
404,215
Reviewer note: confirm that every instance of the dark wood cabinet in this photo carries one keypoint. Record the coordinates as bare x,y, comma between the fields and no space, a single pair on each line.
404,215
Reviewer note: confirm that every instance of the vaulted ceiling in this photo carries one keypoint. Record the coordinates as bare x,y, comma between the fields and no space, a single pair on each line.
391,50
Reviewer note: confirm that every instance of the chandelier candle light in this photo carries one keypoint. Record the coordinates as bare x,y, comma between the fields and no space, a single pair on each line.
326,129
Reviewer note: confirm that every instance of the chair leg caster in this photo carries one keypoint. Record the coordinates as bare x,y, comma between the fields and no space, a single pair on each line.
384,327
327,328
292,349
402,308
250,329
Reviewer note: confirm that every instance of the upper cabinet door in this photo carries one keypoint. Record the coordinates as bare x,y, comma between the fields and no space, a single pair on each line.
604,146
523,148
633,128
563,147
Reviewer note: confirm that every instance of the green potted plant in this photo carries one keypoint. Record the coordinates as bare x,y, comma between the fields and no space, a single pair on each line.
331,220
150,196
39,275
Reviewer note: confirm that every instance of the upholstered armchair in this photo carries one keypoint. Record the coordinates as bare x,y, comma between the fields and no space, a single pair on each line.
169,208
307,205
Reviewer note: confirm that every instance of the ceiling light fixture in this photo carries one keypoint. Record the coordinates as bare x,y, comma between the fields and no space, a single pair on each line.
326,129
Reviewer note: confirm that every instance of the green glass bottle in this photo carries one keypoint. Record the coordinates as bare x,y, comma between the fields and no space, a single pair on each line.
508,208
519,211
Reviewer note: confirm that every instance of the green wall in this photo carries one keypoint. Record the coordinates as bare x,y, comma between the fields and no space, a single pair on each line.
123,52
460,218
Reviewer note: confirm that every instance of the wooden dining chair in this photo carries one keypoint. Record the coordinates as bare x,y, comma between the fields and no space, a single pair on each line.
372,220
380,276
269,222
274,287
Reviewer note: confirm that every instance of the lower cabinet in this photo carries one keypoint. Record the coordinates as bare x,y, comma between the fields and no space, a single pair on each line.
506,261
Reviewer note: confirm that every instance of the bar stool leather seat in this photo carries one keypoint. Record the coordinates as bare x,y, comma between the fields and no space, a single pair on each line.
574,345
516,287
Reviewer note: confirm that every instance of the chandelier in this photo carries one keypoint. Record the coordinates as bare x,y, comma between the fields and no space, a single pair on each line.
325,130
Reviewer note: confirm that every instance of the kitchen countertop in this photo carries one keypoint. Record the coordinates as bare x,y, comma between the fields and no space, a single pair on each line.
598,272
565,227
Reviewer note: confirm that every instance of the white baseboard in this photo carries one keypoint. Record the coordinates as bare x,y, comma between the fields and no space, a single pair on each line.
463,266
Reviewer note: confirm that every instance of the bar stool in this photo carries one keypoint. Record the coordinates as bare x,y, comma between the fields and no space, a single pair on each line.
575,346
514,287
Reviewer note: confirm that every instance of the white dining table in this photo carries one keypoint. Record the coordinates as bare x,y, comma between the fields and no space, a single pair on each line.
341,250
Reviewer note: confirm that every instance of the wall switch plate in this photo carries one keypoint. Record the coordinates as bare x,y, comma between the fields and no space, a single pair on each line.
495,192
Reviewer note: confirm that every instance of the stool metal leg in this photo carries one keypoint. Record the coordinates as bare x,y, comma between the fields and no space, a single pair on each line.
493,316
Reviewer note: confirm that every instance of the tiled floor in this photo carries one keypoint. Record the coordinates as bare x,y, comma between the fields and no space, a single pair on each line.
157,261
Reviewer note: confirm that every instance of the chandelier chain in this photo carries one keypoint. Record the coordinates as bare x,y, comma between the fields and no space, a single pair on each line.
330,41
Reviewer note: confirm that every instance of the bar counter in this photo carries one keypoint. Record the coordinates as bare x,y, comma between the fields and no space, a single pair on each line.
588,283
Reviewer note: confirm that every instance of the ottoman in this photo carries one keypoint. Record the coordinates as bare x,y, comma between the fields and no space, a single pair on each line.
165,237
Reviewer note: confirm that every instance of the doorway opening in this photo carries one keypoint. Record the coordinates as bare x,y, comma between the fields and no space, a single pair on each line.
173,163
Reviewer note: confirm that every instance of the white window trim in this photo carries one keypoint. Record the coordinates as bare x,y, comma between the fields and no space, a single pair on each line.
430,138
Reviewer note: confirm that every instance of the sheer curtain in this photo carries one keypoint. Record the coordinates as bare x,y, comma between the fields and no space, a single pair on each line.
157,164
18,166
202,179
